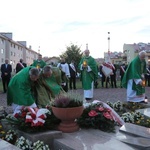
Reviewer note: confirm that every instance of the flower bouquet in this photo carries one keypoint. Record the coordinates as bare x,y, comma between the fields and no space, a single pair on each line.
32,120
99,116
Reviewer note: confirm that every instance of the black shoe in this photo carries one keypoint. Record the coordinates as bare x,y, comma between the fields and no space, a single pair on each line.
143,102
88,99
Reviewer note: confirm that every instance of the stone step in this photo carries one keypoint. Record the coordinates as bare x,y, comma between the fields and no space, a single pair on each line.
136,130
133,140
90,139
4,145
145,111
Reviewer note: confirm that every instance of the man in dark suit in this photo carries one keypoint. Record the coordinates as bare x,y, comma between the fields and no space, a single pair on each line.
6,70
147,75
20,65
113,76
73,74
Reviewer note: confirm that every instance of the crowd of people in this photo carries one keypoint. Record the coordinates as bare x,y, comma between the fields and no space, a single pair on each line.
36,85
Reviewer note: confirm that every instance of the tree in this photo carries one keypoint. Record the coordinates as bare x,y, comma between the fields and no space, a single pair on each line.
73,52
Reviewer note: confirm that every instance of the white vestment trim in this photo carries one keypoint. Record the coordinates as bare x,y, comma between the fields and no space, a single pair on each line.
89,93
131,94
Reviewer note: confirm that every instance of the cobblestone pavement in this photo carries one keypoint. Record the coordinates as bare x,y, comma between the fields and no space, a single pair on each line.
103,94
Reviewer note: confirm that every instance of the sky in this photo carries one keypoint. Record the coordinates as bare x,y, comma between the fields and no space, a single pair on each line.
53,25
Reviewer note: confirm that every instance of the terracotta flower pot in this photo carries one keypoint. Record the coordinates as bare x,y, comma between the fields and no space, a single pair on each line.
68,118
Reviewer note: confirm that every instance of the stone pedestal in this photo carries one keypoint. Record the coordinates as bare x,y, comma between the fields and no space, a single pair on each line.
4,145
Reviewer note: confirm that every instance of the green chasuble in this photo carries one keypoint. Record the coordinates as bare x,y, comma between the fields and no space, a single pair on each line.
48,87
134,71
19,89
39,64
88,77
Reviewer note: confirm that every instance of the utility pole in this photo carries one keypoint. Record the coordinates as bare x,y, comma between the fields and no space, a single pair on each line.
39,50
108,42
86,46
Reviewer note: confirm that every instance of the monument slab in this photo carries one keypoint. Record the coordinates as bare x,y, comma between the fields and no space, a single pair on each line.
133,129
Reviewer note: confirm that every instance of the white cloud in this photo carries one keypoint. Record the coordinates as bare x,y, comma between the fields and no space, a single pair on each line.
53,25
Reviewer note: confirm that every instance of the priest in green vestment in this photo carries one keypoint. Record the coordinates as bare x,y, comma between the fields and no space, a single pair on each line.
39,63
89,73
134,80
19,92
48,86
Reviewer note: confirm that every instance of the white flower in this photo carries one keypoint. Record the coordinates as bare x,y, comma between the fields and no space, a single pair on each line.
39,145
23,143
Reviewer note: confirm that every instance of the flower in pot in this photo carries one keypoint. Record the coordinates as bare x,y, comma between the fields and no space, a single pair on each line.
68,107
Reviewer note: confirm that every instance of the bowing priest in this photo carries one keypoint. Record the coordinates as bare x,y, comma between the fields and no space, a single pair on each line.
48,86
19,92
133,79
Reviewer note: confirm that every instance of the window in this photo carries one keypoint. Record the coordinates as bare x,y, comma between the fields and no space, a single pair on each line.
2,51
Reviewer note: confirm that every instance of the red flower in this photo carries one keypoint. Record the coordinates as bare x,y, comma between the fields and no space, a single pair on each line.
92,113
33,116
108,110
16,115
101,109
23,114
107,115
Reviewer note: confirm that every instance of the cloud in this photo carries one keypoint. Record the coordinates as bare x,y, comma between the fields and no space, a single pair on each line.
53,25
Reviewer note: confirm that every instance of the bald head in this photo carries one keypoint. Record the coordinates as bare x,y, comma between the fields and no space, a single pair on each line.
86,52
142,55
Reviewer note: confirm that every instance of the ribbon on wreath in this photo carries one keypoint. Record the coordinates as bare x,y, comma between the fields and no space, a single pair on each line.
113,114
36,118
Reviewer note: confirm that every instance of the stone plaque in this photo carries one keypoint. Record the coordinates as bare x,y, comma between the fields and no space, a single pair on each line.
145,111
133,129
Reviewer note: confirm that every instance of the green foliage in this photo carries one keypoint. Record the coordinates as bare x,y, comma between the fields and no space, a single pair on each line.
73,52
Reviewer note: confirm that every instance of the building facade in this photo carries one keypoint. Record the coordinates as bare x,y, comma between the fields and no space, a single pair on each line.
130,51
15,50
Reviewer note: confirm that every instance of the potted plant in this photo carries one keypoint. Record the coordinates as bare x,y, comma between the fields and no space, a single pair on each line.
68,107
